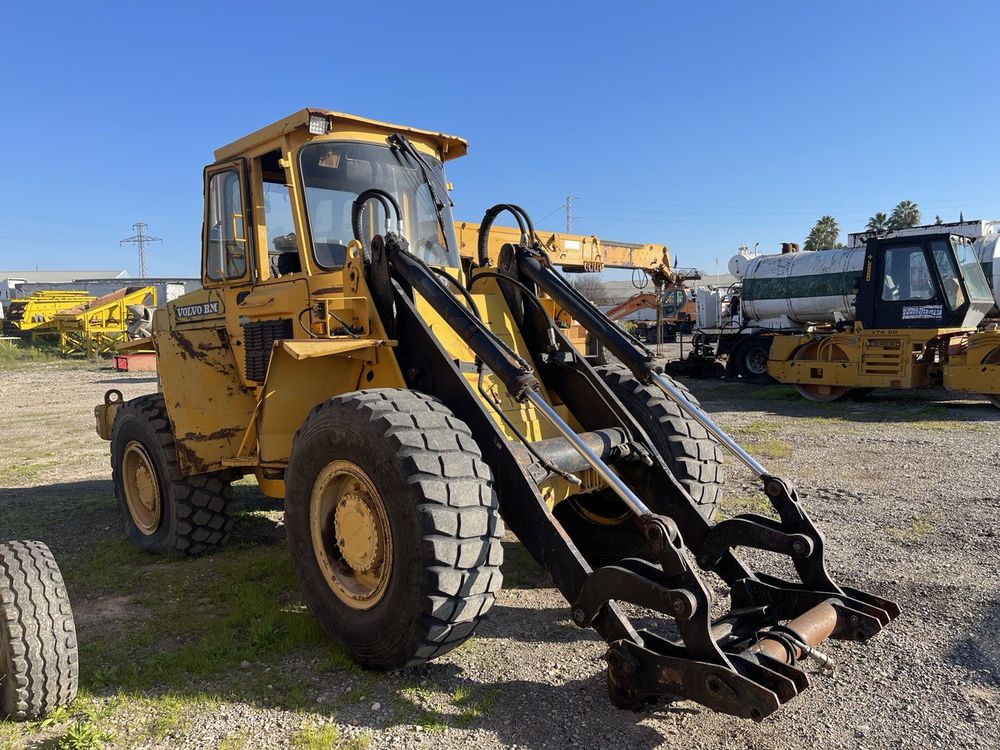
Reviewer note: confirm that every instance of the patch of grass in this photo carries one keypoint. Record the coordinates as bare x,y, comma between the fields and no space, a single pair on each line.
758,428
736,504
170,717
317,737
194,618
14,357
914,533
472,705
83,735
772,393
236,741
10,735
773,449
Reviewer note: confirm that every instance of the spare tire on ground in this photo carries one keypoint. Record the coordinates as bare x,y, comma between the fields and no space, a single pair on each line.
39,665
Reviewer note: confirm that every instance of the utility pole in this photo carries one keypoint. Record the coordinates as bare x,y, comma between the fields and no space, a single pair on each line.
569,214
140,239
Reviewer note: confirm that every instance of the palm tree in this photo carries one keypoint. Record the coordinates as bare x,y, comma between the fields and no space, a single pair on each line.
878,223
904,215
823,236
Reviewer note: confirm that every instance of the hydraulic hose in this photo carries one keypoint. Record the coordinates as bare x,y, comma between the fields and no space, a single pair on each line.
385,199
523,223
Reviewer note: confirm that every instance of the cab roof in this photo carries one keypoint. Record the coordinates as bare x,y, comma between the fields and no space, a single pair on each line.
450,146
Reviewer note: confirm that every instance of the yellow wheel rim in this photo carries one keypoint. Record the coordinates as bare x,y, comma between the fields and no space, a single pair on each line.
350,534
142,490
822,351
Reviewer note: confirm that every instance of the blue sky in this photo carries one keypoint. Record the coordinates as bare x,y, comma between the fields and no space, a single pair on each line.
697,125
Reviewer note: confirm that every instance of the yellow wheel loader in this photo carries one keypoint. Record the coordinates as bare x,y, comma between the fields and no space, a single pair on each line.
402,405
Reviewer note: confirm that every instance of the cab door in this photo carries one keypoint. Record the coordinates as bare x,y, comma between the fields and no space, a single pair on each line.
900,288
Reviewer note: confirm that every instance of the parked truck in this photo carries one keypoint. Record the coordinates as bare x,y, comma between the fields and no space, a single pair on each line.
898,312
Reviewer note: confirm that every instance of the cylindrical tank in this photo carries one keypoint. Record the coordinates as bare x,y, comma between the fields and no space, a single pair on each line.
988,251
805,287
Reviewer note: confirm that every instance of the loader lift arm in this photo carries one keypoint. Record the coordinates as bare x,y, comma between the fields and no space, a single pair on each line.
742,664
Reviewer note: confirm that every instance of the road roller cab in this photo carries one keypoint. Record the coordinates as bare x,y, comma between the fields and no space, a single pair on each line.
909,321
405,408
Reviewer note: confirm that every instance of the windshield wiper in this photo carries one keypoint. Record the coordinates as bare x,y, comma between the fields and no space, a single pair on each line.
436,185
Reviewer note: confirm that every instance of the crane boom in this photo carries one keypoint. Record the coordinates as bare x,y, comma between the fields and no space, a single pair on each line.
576,253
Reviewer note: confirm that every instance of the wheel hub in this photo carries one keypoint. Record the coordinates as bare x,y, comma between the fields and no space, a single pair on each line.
142,490
350,533
356,534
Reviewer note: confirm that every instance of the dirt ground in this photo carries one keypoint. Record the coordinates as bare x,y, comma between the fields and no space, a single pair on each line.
218,653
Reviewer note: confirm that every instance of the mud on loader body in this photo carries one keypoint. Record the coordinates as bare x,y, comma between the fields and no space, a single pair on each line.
401,403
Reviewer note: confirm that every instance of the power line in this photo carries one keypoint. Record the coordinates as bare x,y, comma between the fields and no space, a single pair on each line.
140,239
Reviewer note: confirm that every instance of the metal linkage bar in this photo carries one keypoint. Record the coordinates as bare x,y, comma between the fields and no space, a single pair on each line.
614,481
705,421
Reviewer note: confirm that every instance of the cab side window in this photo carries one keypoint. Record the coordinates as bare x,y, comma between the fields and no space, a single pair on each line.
907,277
226,248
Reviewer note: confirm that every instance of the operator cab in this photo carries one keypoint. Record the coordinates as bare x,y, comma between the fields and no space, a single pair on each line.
929,281
278,202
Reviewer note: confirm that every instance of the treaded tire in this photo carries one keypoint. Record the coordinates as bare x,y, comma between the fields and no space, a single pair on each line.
442,515
196,515
693,457
39,665
748,356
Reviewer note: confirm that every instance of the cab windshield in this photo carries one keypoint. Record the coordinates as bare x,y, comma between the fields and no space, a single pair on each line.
972,270
335,173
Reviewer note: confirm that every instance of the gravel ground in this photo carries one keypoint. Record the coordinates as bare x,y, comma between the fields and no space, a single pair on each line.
904,485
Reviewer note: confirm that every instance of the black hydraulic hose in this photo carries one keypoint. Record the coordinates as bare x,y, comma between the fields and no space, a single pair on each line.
472,304
523,287
484,228
358,207
609,334
462,290
513,372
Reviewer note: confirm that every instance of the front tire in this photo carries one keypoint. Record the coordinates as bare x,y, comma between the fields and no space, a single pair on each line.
598,523
162,510
393,526
39,664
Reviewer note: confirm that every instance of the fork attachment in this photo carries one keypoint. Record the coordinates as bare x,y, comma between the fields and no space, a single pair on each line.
747,662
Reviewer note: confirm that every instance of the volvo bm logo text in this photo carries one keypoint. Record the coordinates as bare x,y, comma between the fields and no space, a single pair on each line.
194,311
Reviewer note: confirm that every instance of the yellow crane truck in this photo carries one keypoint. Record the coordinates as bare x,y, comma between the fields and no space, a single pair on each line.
406,408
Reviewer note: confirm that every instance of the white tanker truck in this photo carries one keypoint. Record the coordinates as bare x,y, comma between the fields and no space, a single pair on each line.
897,312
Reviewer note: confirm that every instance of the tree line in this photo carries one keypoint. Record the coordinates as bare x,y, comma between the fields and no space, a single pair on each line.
825,234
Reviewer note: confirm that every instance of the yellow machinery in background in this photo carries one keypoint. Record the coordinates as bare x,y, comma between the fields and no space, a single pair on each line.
36,311
576,253
401,401
94,327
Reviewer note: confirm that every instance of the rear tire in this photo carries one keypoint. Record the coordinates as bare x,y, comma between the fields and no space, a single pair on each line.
39,665
161,509
427,568
751,360
598,523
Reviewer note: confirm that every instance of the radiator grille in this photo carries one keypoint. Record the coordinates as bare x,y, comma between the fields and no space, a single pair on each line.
883,357
258,340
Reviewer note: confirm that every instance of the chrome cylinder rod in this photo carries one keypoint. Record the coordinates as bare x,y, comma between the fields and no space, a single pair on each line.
614,481
705,421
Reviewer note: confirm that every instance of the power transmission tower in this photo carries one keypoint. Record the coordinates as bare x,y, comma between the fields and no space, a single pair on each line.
569,214
140,239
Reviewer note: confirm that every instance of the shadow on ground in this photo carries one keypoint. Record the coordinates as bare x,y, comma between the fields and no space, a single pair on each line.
881,406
